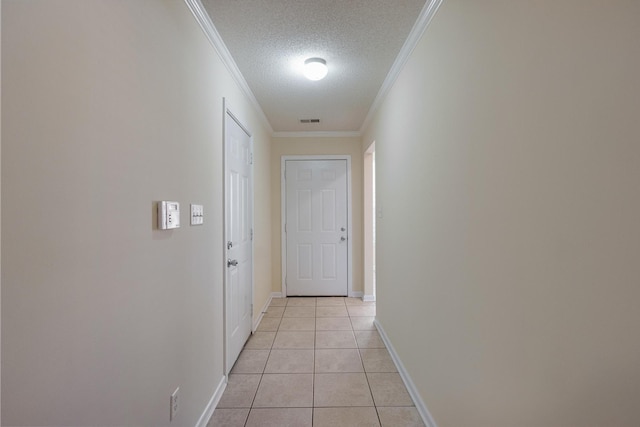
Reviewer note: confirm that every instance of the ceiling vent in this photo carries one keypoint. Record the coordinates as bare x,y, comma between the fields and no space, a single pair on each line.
309,120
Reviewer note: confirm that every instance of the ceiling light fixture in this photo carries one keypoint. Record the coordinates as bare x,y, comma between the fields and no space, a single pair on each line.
315,68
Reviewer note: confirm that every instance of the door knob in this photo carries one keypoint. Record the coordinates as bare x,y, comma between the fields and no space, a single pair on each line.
342,239
232,262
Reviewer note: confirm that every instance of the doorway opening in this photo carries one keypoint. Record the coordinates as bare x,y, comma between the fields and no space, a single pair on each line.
370,223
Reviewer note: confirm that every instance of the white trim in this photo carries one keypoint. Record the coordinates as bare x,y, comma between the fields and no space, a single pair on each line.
426,15
239,122
356,294
283,222
368,222
283,211
411,387
424,19
203,19
318,134
371,148
369,298
265,307
261,315
213,403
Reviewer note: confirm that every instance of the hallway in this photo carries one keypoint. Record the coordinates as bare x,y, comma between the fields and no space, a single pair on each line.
316,362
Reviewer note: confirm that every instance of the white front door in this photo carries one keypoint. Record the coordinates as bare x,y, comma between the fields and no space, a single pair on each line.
238,238
316,227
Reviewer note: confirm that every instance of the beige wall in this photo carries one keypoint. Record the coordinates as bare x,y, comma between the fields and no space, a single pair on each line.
313,146
109,107
261,220
507,158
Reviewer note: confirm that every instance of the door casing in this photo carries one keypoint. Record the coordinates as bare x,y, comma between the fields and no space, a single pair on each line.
283,217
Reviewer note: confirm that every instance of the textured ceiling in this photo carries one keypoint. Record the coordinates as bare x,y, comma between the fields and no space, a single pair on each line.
270,39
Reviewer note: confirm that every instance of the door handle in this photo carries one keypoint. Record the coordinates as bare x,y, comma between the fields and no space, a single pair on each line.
232,262
342,239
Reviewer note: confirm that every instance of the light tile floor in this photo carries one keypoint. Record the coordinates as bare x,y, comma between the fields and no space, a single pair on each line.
316,362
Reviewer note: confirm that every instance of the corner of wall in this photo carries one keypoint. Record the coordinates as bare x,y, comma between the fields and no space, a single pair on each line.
408,382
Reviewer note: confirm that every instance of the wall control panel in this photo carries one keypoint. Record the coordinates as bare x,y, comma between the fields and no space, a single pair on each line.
168,215
197,214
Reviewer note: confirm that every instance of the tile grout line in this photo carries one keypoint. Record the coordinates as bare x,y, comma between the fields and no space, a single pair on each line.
336,346
264,368
375,406
261,376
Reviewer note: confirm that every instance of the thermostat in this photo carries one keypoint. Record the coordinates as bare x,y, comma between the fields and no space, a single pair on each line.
168,215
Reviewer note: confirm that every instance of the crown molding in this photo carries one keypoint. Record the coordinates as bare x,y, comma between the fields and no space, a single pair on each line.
426,15
317,134
203,19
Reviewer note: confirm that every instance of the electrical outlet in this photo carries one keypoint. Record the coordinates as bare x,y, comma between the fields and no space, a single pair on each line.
173,410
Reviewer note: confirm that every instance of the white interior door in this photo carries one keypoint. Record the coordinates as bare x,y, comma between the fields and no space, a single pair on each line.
238,238
316,227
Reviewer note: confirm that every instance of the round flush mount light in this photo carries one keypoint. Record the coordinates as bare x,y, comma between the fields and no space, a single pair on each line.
315,68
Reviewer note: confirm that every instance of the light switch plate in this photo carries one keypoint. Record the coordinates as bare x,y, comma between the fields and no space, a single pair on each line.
197,214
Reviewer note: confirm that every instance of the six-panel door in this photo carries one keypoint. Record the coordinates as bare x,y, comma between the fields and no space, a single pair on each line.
238,239
316,227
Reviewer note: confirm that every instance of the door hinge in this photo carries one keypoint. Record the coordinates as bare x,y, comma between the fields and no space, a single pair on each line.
285,174
285,227
252,234
251,158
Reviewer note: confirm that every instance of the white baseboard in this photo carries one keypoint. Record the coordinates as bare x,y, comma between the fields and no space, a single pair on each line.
265,307
259,318
411,388
356,294
369,298
211,406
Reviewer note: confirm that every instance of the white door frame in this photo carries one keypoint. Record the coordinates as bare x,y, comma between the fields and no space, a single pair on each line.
283,216
226,110
369,221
